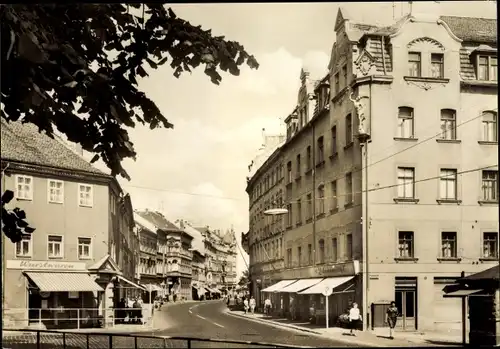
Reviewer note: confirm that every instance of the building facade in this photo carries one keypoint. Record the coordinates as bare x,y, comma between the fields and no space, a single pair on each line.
60,271
358,146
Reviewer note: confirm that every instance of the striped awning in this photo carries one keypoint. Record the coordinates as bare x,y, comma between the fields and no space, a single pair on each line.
151,287
63,282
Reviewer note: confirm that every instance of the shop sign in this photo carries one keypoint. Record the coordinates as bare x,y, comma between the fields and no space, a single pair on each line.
44,265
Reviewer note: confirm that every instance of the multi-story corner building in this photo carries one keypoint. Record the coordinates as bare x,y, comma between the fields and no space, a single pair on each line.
64,269
176,255
392,182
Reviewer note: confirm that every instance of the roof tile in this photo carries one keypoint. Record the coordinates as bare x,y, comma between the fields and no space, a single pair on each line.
470,29
25,144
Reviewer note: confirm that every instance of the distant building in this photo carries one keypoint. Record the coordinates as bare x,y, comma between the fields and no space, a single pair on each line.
65,269
423,93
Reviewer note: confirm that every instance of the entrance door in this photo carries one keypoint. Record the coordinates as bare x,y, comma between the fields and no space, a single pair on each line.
34,305
406,302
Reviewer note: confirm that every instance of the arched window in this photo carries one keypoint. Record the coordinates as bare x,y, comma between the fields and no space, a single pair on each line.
489,125
405,122
321,251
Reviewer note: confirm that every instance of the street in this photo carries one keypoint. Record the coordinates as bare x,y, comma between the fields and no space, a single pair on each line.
209,320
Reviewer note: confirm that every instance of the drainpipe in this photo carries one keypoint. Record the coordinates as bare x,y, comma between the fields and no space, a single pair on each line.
313,196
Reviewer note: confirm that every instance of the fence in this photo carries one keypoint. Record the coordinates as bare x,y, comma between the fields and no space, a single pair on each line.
46,339
76,318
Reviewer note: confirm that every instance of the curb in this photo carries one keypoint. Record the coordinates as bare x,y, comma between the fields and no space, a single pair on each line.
301,329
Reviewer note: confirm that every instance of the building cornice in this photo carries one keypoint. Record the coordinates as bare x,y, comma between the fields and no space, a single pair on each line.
263,168
52,172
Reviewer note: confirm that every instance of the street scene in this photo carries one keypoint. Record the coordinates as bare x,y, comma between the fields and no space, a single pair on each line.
249,175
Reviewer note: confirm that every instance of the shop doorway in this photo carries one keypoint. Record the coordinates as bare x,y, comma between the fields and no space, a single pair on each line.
34,305
406,302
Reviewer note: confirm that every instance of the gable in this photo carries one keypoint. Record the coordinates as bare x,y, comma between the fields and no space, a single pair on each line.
341,18
106,265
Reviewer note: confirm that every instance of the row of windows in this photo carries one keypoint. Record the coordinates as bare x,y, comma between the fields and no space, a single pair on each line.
406,124
334,256
449,245
267,182
55,247
486,66
55,191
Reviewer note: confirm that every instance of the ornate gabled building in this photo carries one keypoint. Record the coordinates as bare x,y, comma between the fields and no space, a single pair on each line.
387,197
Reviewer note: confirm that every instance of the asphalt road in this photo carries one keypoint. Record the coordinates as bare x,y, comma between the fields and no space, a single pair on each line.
209,320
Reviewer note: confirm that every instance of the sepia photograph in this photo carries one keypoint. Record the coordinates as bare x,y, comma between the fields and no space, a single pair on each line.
249,175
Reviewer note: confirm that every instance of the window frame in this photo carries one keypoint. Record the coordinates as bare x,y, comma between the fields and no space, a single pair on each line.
445,119
334,193
494,185
321,198
411,249
486,124
308,158
61,246
440,64
452,176
289,172
418,64
80,185
90,256
335,250
321,250
309,254
320,143
49,182
483,245
298,166
334,140
349,197
399,177
30,247
349,250
349,136
298,219
309,207
402,118
489,65
31,185
337,82
453,248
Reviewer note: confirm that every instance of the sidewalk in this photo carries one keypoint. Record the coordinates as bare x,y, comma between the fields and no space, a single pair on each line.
371,338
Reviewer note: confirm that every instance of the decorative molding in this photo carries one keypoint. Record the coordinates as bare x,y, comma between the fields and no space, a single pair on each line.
359,105
425,83
426,39
448,29
365,64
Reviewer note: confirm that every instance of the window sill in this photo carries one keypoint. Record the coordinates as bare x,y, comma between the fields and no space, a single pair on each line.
320,164
349,145
406,259
56,258
406,200
348,205
298,224
309,220
297,178
489,259
449,201
487,202
334,210
426,79
333,156
24,257
320,215
487,142
86,206
480,83
449,259
288,227
452,141
55,202
87,258
401,139
308,171
289,184
24,199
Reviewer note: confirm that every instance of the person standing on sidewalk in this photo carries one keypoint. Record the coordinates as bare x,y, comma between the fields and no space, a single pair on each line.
391,317
245,305
354,318
252,305
267,306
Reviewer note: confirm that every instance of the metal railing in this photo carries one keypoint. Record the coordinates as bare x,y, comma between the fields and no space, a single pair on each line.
47,339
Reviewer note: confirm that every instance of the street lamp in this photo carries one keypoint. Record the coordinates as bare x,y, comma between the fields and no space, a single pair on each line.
276,211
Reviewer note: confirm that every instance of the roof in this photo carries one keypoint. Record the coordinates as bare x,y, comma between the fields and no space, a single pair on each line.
158,220
144,223
228,238
488,274
198,243
472,29
22,142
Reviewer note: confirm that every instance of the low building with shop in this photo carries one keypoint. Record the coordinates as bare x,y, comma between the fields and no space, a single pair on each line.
50,277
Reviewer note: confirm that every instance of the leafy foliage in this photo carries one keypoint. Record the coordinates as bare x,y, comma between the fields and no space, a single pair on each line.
14,225
244,279
75,67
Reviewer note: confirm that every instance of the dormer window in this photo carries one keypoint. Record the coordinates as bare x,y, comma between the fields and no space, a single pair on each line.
487,68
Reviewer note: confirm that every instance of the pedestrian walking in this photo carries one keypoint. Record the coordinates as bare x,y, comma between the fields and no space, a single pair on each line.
391,317
267,306
252,305
354,318
292,309
245,305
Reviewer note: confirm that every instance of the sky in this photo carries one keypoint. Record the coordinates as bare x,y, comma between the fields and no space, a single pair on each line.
197,170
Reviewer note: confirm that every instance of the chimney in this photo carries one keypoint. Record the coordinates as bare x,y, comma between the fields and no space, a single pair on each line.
425,11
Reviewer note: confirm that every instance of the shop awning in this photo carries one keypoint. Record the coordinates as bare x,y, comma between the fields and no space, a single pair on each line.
331,283
278,285
461,293
300,285
130,282
63,282
152,288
